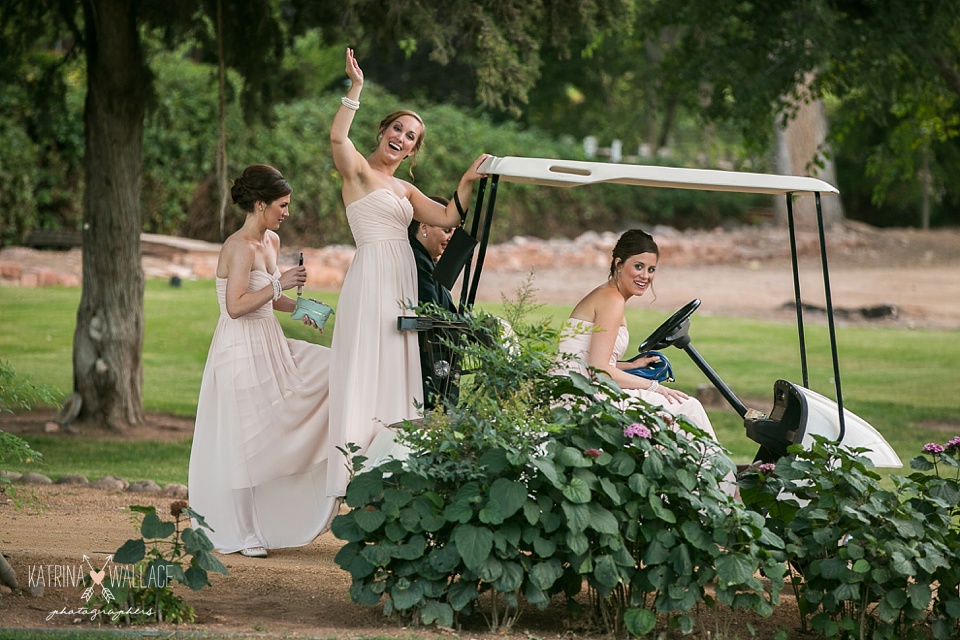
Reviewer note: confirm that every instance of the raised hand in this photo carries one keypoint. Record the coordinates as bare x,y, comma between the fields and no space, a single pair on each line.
354,72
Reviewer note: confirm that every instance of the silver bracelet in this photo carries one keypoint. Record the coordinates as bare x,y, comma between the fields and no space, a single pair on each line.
653,386
353,105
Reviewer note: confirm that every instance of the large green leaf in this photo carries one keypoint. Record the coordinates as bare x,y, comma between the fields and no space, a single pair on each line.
660,510
131,552
511,577
474,544
439,613
462,593
491,569
578,516
734,569
364,489
653,467
195,540
577,490
350,558
544,547
544,574
209,562
369,518
606,571
639,622
622,464
195,578
491,513
570,457
510,496
412,549
602,520
578,543
155,528
406,595
531,511
444,559
549,470
459,511
345,528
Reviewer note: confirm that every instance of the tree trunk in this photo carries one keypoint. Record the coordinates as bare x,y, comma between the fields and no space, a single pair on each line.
108,339
799,145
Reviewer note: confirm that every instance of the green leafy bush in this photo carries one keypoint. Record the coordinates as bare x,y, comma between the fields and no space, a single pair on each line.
18,392
167,552
41,155
536,485
868,561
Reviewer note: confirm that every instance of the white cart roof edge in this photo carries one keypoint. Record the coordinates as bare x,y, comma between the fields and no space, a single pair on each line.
571,173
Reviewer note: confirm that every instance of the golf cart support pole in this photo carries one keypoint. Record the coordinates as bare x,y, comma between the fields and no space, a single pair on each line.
830,324
485,238
798,301
465,288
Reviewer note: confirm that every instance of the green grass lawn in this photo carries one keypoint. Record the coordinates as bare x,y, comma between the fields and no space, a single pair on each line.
911,401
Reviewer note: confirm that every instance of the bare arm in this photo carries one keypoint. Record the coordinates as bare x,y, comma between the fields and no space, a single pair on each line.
349,162
433,213
240,257
607,307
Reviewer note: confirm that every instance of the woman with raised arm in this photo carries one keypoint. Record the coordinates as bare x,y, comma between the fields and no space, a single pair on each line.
376,368
258,466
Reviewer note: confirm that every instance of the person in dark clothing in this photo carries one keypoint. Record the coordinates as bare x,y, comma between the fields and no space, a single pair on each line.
428,243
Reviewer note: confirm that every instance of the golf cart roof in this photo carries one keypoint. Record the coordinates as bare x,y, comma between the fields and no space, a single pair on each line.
570,173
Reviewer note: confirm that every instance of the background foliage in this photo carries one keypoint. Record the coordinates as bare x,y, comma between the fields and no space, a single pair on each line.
41,147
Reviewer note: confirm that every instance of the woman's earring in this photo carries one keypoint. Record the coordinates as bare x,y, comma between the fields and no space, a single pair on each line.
424,235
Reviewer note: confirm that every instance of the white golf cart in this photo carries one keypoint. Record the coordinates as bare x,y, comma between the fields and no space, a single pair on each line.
798,413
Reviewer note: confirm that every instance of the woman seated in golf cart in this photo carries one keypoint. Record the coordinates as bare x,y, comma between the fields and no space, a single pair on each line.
596,331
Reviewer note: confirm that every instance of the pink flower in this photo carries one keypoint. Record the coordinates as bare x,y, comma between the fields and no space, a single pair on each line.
592,453
933,447
767,468
953,445
636,430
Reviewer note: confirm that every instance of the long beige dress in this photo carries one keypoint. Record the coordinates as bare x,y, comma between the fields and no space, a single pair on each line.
575,340
375,368
258,467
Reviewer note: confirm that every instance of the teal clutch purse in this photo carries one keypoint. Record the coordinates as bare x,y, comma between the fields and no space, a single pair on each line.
314,309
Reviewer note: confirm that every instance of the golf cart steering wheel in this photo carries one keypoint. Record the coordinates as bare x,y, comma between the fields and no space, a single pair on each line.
671,330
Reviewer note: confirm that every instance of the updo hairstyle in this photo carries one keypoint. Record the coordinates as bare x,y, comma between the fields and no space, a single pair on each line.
258,182
631,243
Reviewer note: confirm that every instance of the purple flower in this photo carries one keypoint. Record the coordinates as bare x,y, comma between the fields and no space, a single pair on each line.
592,453
767,468
933,447
636,430
953,445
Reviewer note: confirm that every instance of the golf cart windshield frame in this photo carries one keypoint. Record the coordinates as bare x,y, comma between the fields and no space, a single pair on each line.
572,173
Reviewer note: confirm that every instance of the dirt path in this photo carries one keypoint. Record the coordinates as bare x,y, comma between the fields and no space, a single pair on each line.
297,592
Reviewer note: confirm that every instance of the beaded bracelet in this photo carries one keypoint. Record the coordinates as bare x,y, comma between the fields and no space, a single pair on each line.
277,289
353,105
